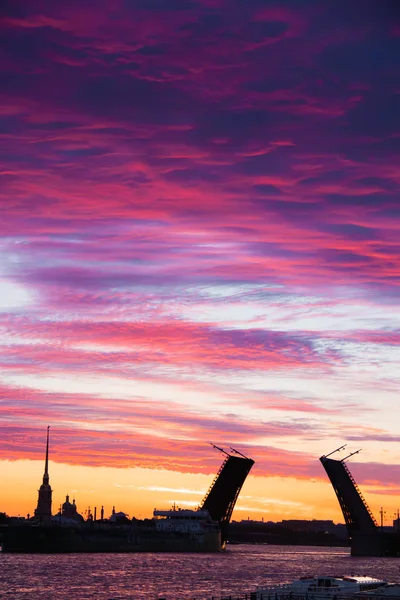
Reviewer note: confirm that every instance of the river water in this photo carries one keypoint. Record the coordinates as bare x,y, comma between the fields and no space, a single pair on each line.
236,571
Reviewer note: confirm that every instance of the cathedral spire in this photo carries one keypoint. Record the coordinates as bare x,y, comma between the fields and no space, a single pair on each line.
46,464
43,509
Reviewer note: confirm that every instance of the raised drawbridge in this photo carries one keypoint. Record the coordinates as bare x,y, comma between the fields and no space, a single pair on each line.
356,512
221,497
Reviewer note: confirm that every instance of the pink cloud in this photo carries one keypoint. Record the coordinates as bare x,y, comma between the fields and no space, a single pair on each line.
176,343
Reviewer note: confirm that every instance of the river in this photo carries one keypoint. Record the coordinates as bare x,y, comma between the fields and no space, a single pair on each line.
236,571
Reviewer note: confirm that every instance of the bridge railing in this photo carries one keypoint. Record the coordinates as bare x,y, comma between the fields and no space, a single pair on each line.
359,493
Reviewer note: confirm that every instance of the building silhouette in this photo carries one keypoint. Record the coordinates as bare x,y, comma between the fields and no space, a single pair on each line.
43,509
70,511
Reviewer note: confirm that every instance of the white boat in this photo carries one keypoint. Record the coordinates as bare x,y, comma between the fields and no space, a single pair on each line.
184,520
196,525
315,587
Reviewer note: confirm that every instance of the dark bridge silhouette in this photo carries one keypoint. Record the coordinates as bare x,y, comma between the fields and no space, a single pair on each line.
221,497
365,536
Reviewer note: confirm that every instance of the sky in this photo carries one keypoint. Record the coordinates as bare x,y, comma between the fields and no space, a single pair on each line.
200,213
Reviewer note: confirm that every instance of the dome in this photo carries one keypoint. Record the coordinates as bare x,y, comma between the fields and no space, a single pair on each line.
67,504
69,510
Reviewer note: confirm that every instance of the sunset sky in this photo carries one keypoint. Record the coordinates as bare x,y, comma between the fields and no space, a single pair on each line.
200,219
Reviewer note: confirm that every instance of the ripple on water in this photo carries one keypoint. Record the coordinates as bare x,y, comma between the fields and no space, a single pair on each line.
175,576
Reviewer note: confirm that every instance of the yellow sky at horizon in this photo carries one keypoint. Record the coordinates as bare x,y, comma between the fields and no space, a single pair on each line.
138,491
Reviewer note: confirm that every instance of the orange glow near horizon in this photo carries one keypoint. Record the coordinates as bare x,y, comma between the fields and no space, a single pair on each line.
137,492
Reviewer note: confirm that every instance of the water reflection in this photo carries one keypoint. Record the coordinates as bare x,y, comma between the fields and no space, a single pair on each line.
176,576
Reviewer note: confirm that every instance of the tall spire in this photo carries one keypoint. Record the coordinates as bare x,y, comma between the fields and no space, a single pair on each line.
46,464
43,509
